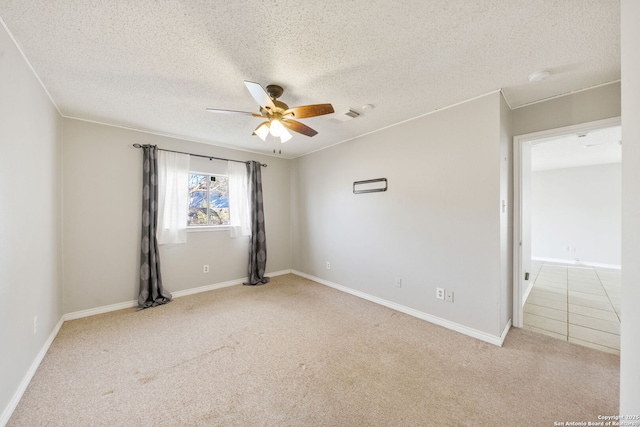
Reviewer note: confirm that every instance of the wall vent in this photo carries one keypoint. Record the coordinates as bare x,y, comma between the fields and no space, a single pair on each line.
345,117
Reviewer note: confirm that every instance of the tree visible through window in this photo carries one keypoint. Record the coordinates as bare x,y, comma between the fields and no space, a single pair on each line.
208,200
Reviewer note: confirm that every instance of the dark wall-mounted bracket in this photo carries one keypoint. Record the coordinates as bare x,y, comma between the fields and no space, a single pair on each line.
370,186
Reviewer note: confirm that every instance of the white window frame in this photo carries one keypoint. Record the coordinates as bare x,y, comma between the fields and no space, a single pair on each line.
201,228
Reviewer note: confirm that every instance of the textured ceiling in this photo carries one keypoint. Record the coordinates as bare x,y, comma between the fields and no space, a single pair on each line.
595,147
156,65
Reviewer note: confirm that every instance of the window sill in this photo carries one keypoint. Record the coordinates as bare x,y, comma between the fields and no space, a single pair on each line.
205,228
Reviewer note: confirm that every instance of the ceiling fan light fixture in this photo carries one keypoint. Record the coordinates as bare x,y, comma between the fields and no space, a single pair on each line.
285,136
262,131
275,112
276,128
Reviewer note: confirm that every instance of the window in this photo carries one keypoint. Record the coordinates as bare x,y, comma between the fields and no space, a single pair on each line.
208,200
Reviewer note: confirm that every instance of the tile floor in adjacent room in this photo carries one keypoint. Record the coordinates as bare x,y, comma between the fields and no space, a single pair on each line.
577,304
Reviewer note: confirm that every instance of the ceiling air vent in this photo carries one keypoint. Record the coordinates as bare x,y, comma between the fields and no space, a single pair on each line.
345,117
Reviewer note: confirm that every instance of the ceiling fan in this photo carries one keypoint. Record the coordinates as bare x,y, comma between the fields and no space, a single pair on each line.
278,114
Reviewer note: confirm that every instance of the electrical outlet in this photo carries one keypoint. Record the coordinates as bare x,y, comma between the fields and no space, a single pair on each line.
35,324
448,296
398,283
328,265
205,268
440,293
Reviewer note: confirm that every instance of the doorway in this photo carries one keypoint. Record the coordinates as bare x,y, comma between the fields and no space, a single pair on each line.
559,165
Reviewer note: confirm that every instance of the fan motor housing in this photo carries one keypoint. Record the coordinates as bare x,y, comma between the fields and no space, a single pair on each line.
274,91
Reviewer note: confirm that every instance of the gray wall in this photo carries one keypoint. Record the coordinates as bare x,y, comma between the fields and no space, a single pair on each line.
438,225
578,208
102,202
630,322
582,107
30,219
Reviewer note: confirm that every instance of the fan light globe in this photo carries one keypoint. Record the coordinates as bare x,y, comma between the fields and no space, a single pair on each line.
276,128
262,131
285,136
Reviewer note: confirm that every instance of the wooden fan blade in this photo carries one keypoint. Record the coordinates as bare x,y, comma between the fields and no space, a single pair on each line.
309,111
260,95
298,127
215,110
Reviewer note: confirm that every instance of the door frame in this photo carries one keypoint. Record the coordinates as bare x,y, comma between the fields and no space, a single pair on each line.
518,141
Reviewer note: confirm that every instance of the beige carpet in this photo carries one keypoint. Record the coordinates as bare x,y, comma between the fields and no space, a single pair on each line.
296,353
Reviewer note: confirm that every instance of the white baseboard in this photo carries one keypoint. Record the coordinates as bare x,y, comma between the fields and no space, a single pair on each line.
491,339
8,411
207,288
176,294
280,273
99,310
578,263
527,292
505,331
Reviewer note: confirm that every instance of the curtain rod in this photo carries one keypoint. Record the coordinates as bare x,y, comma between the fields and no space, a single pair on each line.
201,155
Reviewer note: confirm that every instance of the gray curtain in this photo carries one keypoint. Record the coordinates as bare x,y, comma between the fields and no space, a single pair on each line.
151,291
258,242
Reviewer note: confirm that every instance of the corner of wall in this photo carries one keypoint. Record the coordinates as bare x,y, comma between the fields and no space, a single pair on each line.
31,290
506,215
